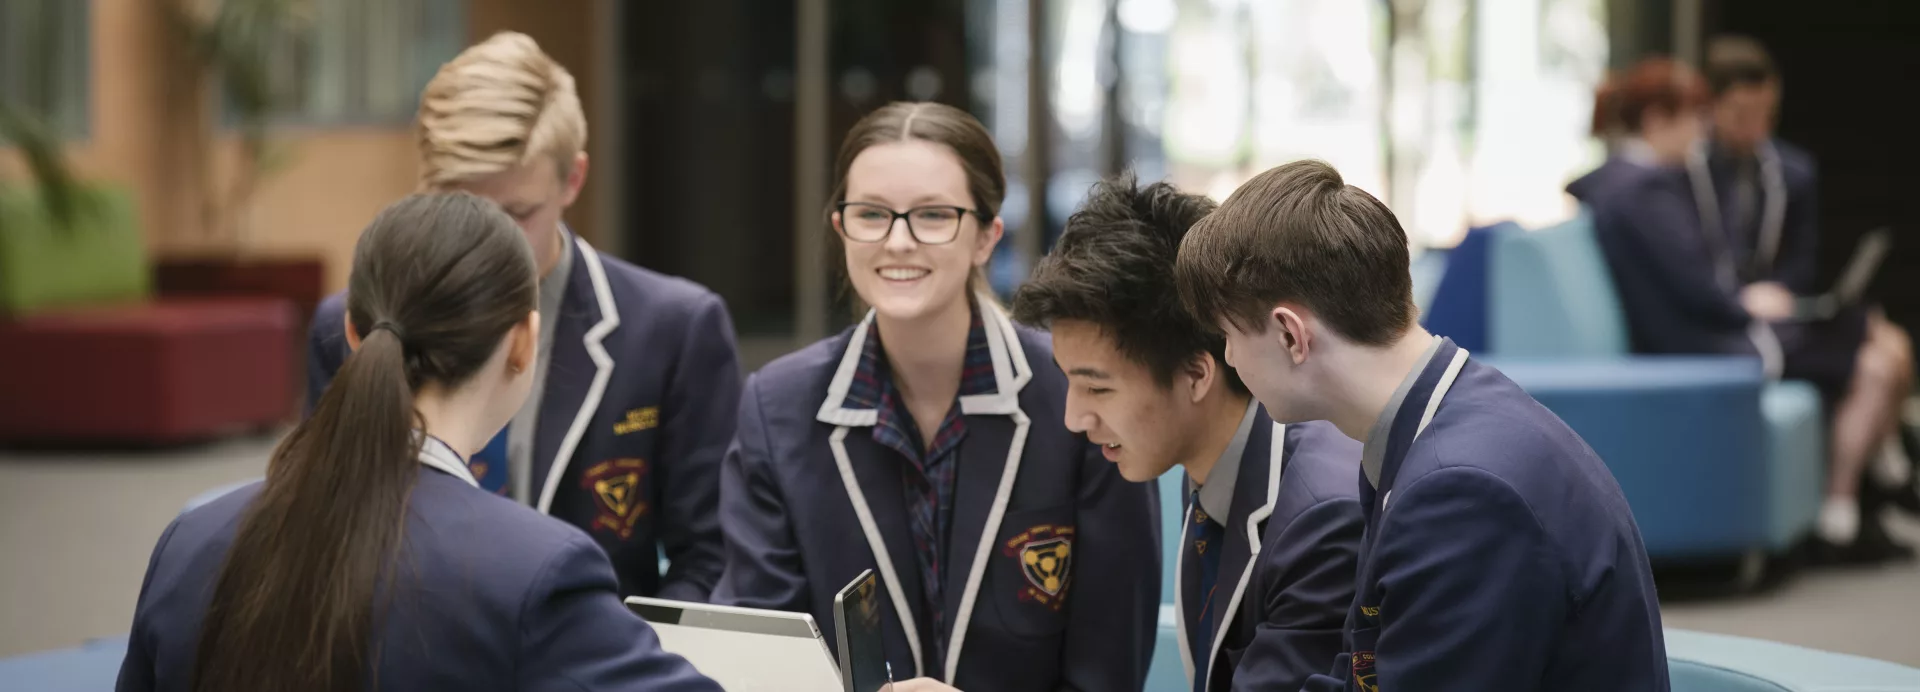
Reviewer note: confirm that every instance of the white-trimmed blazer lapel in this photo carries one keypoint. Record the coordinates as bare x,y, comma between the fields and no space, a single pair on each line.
1277,448
603,371
1011,372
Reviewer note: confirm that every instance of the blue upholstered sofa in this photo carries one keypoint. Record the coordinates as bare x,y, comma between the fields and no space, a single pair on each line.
1716,460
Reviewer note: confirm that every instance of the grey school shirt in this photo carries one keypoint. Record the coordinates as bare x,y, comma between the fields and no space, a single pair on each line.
1216,497
1373,453
520,433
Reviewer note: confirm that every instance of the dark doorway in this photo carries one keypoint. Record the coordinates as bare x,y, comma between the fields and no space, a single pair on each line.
709,130
1847,69
708,147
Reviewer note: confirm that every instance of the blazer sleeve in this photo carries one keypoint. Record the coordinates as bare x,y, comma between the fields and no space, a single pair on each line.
1657,240
136,670
764,568
576,634
1305,605
1473,594
697,423
1113,606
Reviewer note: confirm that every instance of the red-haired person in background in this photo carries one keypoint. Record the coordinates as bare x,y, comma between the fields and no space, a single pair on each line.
1696,274
1649,117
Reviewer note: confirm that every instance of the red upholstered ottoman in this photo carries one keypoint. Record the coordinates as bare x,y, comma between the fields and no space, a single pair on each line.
162,372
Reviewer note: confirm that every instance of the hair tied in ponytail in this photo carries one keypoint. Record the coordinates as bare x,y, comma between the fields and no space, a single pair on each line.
389,326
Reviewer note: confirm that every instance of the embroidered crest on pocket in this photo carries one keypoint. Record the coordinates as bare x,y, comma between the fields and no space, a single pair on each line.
1045,553
1363,674
617,494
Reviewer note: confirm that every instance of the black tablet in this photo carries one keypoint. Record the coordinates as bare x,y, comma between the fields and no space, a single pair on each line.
856,624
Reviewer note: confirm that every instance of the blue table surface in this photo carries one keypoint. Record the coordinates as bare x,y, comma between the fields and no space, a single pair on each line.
90,667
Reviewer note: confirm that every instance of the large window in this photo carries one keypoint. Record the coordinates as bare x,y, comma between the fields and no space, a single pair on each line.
44,69
366,61
1255,84
1458,113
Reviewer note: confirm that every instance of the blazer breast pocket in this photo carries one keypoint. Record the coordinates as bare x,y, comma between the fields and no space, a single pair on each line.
1032,571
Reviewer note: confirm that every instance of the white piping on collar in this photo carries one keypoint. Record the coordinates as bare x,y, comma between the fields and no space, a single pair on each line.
1439,394
881,557
1011,372
1179,602
603,370
437,455
1277,451
989,535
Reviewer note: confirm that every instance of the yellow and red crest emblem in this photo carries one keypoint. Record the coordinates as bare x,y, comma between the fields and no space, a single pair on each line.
1045,553
617,494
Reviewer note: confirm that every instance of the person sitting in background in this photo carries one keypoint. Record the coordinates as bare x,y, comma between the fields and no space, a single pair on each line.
1752,173
370,557
1688,284
1650,117
638,380
1267,558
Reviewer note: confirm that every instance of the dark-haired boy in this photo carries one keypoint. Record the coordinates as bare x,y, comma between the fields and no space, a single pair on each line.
1273,520
1499,551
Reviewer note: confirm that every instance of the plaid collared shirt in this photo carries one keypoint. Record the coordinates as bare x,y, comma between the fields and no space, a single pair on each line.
928,478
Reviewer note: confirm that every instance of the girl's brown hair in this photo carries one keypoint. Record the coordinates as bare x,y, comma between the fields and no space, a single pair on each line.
932,122
1621,104
438,280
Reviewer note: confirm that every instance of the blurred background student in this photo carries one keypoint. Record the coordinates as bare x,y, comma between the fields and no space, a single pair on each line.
1752,172
1710,243
637,379
370,555
1649,118
927,443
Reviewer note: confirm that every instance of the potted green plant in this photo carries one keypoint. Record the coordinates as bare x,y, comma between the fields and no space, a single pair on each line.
63,241
237,46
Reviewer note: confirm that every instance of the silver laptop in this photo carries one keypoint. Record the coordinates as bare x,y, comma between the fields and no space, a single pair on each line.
1854,280
744,649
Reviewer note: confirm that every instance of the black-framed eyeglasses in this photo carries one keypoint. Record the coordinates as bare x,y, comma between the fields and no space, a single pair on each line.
862,222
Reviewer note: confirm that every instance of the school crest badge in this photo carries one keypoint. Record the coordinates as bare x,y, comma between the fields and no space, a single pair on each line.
1045,553
1363,674
617,493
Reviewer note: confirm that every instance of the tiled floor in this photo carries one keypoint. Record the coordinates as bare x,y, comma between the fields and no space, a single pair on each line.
1871,611
76,530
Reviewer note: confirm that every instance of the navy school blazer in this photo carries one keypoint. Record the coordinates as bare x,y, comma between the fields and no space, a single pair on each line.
1283,600
639,406
1597,185
1499,553
1784,243
1678,288
492,596
809,500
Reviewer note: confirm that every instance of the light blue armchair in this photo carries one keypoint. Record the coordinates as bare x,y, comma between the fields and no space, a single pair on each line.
1711,454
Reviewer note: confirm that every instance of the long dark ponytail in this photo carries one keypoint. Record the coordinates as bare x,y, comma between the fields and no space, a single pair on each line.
438,281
